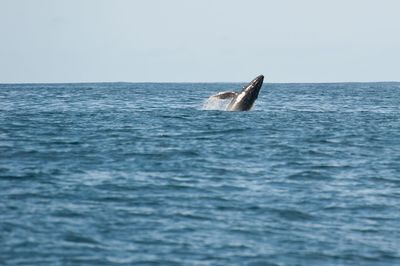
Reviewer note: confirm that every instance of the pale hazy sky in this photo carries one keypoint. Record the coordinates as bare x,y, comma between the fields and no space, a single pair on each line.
199,40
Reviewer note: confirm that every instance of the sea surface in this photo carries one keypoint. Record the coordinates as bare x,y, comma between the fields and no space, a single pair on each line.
147,174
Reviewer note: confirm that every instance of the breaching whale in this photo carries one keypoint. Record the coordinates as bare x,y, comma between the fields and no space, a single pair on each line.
243,100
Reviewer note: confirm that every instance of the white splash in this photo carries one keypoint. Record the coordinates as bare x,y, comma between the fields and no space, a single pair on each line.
213,103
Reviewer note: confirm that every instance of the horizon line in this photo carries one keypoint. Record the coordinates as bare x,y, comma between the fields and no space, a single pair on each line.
187,82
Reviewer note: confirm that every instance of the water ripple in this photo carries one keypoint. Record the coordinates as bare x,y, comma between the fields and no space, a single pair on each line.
121,173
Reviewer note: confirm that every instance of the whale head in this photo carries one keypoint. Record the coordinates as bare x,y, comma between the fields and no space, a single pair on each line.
246,98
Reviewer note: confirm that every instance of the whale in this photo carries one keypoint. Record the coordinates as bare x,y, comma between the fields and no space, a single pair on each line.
244,99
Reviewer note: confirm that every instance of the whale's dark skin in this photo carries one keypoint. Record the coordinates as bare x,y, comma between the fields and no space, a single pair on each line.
243,100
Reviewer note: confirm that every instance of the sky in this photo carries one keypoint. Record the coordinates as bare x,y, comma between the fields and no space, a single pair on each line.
199,40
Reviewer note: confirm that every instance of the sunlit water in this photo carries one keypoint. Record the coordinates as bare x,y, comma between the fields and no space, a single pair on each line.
123,174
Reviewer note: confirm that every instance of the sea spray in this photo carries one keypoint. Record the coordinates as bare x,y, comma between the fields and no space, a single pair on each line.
213,103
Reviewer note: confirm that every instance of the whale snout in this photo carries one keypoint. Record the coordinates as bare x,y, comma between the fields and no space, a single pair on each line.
259,79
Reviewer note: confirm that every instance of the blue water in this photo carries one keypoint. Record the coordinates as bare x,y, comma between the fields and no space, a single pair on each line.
141,174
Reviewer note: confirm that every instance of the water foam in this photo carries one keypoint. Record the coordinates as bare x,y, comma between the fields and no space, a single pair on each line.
213,103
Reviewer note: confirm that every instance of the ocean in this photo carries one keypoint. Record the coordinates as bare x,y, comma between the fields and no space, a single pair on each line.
148,174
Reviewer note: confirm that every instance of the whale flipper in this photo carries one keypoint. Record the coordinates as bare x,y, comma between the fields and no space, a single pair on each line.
224,95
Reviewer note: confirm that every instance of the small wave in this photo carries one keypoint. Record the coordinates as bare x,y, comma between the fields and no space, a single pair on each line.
79,238
309,175
294,215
